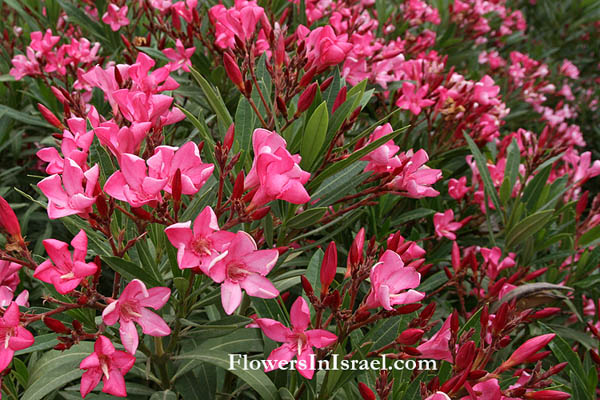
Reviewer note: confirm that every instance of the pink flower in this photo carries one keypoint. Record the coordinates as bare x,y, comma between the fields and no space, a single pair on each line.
9,273
7,295
43,43
457,188
25,65
115,17
14,336
107,364
567,68
415,178
384,158
71,193
275,171
389,281
240,21
298,341
438,396
137,106
179,56
492,259
65,272
485,92
324,47
122,139
242,266
132,307
167,160
413,99
445,225
133,184
437,347
200,247
486,390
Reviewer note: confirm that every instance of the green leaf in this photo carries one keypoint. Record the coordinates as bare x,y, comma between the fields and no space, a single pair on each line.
484,172
590,238
527,227
55,369
256,379
314,136
164,395
245,121
307,218
23,117
130,271
534,188
411,215
214,99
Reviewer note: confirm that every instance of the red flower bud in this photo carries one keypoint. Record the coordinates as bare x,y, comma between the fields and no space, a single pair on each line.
55,325
328,267
454,322
176,186
306,98
307,77
8,219
326,83
280,51
355,255
229,136
582,204
408,308
281,106
410,336
58,94
233,71
546,312
308,289
535,274
238,186
477,374
339,100
595,357
142,214
365,392
50,117
427,312
455,257
547,395
465,355
260,213
411,351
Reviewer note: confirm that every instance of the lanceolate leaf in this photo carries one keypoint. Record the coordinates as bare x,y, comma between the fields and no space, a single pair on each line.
256,379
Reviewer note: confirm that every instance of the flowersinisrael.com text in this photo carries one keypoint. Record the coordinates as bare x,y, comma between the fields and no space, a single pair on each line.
241,361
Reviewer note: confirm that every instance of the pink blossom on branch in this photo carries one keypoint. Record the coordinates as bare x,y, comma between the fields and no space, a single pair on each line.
115,17
415,178
132,306
275,172
390,280
179,56
445,226
413,99
200,246
242,266
108,365
437,346
14,335
72,192
64,271
298,341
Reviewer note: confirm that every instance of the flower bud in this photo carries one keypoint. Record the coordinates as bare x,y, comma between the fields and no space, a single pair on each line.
326,83
410,336
306,98
582,204
355,255
308,289
339,100
176,186
465,355
260,213
328,267
455,256
229,136
365,392
477,374
547,395
50,117
238,186
58,94
407,309
142,214
526,351
233,71
307,77
411,351
55,325
8,219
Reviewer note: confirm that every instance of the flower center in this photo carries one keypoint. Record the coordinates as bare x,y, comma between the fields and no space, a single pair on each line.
130,310
236,271
104,364
201,246
6,334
